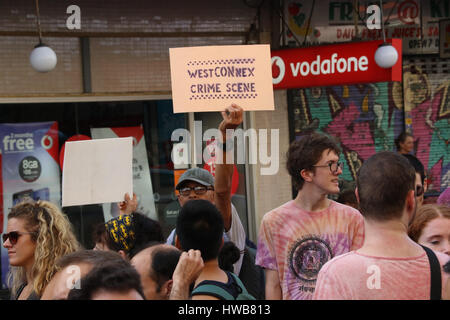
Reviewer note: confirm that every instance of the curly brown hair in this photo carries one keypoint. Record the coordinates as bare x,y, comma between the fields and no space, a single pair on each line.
53,236
305,152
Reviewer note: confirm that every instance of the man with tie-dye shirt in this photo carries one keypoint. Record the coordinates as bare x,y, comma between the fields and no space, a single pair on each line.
298,238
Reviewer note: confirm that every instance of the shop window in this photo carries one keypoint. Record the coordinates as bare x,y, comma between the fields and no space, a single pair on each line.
154,119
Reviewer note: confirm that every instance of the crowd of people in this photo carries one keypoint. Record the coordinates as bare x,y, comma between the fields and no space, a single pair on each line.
377,241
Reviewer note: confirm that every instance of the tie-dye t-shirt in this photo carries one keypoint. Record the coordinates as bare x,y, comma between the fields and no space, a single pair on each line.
297,243
355,276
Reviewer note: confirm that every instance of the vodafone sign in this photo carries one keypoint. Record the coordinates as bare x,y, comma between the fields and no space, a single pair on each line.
336,64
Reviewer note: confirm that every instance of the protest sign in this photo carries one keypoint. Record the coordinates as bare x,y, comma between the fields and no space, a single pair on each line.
142,184
211,78
97,171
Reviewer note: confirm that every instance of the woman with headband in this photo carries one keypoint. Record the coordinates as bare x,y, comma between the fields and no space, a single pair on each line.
126,234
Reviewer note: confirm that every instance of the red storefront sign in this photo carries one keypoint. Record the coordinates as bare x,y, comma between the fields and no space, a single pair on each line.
335,64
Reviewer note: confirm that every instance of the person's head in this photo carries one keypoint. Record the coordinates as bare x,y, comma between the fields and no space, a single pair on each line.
73,267
38,233
420,183
200,227
127,233
431,227
115,280
155,266
385,188
314,159
444,197
348,198
404,142
195,183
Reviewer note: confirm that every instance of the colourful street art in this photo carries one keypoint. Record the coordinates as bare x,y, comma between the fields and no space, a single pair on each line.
366,119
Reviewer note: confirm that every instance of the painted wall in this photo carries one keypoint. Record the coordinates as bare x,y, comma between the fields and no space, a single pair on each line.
367,118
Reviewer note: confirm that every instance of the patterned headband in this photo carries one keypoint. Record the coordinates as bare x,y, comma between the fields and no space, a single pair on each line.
121,231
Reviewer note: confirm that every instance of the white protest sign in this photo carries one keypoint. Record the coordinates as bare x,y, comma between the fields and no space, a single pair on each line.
211,78
97,171
142,184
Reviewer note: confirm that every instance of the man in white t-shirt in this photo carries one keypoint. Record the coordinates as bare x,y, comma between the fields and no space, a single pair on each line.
197,183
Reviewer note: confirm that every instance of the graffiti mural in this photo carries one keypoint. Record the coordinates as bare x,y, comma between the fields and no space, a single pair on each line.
427,113
366,119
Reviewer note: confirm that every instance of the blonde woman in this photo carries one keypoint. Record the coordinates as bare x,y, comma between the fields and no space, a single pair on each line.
38,233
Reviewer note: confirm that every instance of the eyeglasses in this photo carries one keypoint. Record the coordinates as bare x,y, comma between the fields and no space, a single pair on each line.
198,190
419,190
13,236
334,166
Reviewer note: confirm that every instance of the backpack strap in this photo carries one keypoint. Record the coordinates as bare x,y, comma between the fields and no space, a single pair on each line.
239,283
435,272
212,290
244,295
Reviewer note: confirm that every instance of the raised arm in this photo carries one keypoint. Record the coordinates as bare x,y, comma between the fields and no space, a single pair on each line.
128,206
232,118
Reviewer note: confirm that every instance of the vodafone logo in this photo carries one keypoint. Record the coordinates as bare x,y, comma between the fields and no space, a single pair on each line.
277,62
47,142
332,64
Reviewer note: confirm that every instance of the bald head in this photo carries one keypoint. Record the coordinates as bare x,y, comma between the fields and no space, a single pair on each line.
155,266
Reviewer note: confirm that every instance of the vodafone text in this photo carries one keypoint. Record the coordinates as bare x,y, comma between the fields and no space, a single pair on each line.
330,66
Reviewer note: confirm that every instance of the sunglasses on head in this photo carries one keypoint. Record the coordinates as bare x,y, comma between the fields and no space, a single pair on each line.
13,236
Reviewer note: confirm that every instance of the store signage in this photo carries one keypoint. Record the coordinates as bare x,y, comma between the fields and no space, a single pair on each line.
319,22
337,64
444,38
210,78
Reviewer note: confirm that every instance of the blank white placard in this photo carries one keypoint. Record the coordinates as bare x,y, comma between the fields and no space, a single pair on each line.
97,171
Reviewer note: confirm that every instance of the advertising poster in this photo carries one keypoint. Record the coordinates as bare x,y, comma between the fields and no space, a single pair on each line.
29,168
142,184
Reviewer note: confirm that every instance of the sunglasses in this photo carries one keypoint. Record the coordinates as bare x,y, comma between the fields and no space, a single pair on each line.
419,190
13,236
198,190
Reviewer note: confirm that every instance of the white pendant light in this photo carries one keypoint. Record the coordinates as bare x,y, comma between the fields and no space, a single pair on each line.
386,55
42,58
